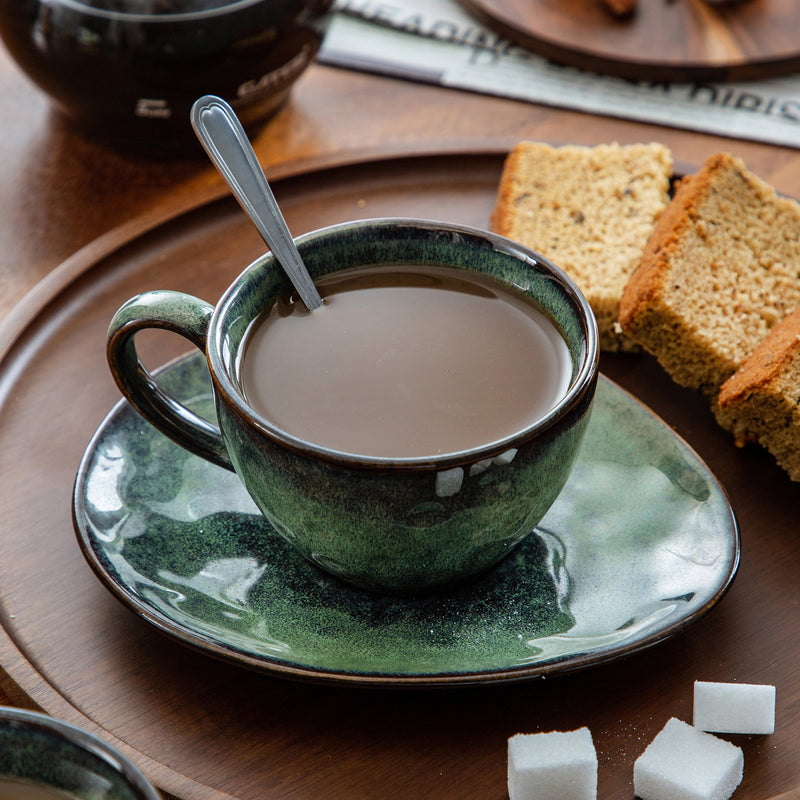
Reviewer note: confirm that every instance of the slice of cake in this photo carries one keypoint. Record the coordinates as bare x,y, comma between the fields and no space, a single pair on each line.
721,269
590,210
761,401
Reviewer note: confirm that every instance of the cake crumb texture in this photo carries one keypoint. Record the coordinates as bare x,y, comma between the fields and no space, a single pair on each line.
721,269
760,402
590,210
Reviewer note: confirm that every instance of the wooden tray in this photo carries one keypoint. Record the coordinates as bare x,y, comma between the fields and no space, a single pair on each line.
203,729
665,40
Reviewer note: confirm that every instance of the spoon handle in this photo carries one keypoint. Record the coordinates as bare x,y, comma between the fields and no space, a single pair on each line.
227,145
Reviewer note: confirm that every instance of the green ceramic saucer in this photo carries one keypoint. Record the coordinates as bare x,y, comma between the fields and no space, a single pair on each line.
641,542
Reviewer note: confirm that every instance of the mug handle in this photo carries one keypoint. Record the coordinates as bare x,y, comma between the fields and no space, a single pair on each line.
189,317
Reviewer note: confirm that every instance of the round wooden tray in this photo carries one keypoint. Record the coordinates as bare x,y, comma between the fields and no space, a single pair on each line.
731,41
204,729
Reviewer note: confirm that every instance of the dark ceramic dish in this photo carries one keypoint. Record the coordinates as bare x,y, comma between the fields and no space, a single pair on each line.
179,542
128,71
35,748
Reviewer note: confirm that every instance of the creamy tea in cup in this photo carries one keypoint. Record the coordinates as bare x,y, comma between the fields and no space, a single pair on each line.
414,429
405,361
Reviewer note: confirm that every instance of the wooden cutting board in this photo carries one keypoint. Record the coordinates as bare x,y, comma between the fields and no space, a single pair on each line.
206,730
664,40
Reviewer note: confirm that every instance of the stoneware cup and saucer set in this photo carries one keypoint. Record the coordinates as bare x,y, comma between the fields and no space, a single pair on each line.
495,561
395,525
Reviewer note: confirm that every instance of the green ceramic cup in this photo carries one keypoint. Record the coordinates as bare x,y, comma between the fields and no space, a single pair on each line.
39,751
392,525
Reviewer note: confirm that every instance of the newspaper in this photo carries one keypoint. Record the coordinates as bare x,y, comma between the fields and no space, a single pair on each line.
437,41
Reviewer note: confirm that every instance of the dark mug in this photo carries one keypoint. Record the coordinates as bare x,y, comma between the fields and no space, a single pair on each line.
128,71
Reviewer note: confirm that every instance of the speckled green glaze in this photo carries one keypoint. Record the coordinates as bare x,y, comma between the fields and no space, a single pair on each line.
39,749
640,542
390,525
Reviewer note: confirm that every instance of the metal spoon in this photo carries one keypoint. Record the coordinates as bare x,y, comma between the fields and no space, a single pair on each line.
227,145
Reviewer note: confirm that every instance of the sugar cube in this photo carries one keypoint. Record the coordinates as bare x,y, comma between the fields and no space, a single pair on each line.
684,763
734,707
552,766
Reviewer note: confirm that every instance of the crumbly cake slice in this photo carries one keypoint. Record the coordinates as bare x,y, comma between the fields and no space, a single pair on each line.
760,402
590,210
720,270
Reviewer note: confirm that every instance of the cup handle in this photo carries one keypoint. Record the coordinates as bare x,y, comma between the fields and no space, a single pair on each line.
189,317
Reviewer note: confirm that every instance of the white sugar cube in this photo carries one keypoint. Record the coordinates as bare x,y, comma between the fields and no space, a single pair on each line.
552,766
734,707
684,763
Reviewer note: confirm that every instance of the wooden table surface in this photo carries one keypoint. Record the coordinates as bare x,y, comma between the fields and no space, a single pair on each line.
687,41
333,115
60,192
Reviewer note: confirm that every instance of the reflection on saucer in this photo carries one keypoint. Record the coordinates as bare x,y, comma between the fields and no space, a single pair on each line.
180,542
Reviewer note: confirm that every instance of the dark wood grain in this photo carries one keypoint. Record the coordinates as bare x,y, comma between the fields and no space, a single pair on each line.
67,203
205,729
59,192
664,40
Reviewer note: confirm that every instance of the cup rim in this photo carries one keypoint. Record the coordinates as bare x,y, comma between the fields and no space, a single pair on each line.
83,740
583,381
225,7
